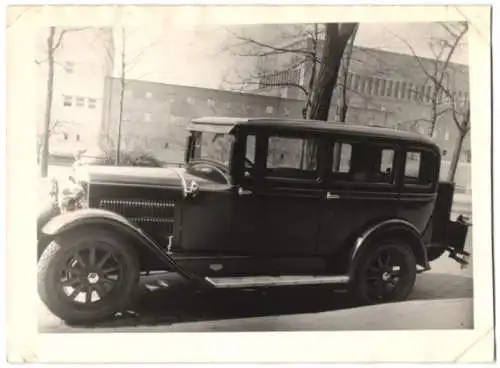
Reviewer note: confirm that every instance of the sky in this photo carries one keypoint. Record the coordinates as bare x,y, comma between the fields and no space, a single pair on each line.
195,56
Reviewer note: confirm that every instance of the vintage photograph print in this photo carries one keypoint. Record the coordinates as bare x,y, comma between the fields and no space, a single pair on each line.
216,174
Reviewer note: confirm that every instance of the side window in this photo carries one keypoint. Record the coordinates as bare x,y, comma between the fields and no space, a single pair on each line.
289,158
387,161
419,168
250,158
362,163
412,167
341,157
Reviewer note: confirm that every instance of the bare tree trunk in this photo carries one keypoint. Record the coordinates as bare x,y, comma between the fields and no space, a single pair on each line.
122,94
44,167
344,105
336,37
456,154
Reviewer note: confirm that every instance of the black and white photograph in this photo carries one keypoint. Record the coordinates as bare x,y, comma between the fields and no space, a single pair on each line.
224,173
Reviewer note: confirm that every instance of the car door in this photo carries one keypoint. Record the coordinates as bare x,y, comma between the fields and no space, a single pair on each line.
360,189
277,210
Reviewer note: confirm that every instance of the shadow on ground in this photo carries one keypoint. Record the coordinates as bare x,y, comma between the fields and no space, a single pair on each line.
174,302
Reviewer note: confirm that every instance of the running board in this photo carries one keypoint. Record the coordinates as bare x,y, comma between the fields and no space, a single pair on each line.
266,281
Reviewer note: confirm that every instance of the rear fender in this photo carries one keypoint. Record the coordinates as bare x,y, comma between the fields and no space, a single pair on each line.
69,221
393,228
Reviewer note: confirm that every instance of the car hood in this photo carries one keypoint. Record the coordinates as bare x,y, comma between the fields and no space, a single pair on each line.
133,175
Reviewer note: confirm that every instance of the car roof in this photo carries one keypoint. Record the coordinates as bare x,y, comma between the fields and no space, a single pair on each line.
227,124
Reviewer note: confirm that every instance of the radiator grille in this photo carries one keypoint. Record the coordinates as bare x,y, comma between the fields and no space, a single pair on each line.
142,211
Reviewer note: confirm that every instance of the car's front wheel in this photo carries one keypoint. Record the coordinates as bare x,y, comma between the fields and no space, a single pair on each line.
384,272
85,276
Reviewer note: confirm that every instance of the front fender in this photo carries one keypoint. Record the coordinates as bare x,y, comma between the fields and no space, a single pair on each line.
399,228
93,216
68,220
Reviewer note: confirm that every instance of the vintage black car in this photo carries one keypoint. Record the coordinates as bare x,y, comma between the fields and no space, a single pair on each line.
364,208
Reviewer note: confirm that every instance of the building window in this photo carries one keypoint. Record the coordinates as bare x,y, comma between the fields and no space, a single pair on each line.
269,109
65,135
69,67
369,84
383,84
376,85
286,111
80,101
396,90
92,103
149,95
389,85
428,94
67,101
420,94
165,145
147,117
211,102
410,96
355,84
77,137
403,90
190,100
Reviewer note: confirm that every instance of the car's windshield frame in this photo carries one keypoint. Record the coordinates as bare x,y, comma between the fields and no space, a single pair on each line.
195,146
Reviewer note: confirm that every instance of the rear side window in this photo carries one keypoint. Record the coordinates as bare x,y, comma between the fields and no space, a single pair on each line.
420,168
341,157
362,163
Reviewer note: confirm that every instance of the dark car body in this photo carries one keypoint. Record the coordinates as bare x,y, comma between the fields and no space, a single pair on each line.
240,221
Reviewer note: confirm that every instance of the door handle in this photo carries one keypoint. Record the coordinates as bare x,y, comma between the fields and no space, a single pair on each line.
332,196
243,191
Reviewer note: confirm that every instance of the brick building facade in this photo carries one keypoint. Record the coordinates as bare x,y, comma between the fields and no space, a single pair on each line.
155,115
386,88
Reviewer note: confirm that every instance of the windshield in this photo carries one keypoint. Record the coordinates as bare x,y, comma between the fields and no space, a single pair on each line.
212,146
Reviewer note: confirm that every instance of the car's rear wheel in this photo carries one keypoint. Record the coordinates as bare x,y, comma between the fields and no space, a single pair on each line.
384,273
86,276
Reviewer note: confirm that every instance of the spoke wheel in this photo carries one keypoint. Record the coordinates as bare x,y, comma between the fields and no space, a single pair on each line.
91,274
84,277
385,273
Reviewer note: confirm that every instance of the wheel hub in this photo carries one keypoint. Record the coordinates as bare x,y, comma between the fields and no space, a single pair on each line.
386,276
92,278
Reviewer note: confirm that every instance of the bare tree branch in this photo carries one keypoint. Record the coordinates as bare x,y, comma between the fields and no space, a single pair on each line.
272,49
